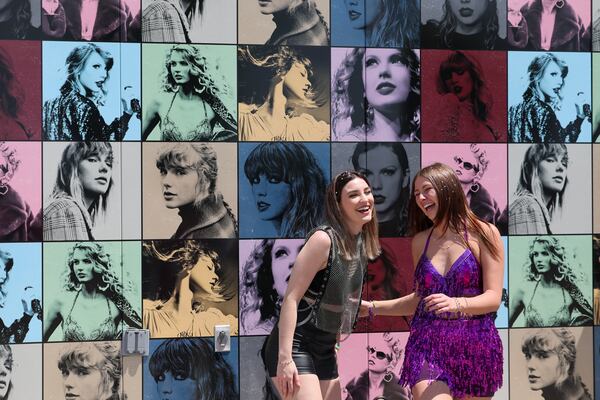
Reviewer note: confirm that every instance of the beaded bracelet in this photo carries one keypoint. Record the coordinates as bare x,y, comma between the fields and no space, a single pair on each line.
458,308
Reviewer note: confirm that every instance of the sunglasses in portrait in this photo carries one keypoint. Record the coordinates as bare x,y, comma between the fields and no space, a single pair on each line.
379,354
466,165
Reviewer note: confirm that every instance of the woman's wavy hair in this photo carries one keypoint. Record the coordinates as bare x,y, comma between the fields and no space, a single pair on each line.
9,100
447,26
536,70
105,273
561,342
67,177
175,257
195,358
396,25
76,61
103,357
203,75
453,209
21,14
401,206
563,270
459,62
6,357
348,94
295,165
334,216
529,179
9,262
261,67
200,157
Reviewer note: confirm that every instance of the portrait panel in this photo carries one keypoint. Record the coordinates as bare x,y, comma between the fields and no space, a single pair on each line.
200,277
91,289
564,170
22,21
190,92
265,269
283,93
548,95
390,168
596,276
118,191
187,368
444,23
21,292
481,170
284,22
21,191
20,63
596,187
348,23
553,353
464,96
108,77
252,369
569,31
24,380
595,25
64,364
193,194
279,184
550,281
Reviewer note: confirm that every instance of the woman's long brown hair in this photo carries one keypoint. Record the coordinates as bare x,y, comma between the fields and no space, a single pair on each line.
453,210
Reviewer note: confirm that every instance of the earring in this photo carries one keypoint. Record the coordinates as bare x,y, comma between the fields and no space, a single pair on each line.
475,187
560,4
103,288
370,115
78,287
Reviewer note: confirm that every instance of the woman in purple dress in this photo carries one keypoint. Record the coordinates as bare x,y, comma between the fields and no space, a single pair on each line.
454,348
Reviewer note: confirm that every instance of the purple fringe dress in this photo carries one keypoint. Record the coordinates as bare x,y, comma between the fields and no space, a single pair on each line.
464,352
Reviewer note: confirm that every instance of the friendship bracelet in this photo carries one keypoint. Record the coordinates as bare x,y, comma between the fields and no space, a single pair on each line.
286,363
372,310
457,303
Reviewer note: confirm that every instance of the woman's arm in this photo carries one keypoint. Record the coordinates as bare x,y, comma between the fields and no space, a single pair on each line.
517,305
312,258
151,118
401,306
52,319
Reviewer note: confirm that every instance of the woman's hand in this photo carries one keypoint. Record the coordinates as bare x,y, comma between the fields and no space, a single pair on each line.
26,299
287,379
439,303
580,101
127,94
50,6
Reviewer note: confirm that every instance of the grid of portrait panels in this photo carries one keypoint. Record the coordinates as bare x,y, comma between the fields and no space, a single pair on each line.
162,161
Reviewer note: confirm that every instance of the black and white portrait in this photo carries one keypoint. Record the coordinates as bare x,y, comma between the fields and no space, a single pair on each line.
465,25
549,97
21,371
284,22
92,290
549,189
187,190
102,20
389,167
283,93
551,363
550,281
265,269
21,20
89,188
189,21
375,95
190,369
190,95
91,91
279,185
20,292
84,370
189,286
253,376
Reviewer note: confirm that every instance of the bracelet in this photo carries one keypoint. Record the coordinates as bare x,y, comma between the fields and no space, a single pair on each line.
286,363
458,308
466,306
372,310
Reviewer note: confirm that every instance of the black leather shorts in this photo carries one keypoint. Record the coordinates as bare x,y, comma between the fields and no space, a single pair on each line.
313,352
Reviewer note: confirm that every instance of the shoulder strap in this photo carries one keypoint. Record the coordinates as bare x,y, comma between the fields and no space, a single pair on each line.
427,242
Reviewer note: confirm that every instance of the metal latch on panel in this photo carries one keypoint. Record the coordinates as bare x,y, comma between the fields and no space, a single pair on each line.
222,338
135,341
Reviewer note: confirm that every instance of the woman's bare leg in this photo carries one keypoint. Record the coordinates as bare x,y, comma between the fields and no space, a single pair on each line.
331,389
428,390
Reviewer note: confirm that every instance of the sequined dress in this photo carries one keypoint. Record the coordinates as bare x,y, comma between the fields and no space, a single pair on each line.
464,352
